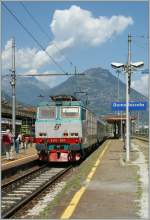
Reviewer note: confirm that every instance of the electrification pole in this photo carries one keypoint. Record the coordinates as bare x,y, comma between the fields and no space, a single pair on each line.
76,80
13,85
118,98
77,84
121,127
138,119
118,71
128,78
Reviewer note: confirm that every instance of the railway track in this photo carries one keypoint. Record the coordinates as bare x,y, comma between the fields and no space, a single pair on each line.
17,168
141,138
17,193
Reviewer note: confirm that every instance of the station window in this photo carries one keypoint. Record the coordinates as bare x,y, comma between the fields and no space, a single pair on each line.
70,112
46,112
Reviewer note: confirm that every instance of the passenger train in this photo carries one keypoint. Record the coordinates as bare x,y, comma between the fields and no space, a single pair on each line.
66,130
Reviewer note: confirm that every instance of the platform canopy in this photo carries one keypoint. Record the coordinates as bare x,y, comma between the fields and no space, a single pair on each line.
117,118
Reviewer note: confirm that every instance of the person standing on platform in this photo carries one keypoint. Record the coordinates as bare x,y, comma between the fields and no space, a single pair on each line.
26,143
17,143
23,141
7,142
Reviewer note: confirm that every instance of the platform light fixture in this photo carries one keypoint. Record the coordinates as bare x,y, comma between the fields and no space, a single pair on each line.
128,69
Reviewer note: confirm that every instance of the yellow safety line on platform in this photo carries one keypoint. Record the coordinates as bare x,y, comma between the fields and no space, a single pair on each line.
15,160
76,198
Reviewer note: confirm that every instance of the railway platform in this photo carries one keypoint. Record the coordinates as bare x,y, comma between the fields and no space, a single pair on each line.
110,189
24,156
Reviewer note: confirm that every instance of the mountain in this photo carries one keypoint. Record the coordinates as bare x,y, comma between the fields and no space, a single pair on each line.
27,89
5,97
99,83
101,87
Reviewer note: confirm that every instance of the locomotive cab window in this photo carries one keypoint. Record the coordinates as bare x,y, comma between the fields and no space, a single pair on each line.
46,112
70,112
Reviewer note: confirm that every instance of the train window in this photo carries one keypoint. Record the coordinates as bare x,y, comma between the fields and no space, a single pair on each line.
70,112
46,112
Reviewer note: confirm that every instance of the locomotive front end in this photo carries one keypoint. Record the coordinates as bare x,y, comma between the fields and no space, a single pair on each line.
58,131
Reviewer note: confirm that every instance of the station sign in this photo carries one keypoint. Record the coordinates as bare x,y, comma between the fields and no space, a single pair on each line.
133,106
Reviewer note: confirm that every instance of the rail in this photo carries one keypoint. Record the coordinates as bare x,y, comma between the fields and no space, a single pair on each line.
17,194
7,171
146,139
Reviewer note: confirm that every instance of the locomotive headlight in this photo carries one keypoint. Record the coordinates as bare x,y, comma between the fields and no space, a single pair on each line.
65,133
42,134
74,134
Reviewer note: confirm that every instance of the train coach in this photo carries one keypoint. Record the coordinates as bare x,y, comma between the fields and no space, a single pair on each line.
65,130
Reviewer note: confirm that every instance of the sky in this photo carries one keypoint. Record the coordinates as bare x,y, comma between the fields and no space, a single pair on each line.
81,34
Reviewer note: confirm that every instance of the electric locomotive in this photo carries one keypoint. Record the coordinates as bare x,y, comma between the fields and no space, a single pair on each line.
65,130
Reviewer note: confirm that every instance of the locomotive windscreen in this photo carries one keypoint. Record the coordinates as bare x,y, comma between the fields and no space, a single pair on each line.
70,112
46,112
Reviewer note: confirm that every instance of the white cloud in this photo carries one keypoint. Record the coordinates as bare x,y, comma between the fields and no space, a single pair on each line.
27,58
23,57
6,55
6,52
141,84
42,58
69,27
82,27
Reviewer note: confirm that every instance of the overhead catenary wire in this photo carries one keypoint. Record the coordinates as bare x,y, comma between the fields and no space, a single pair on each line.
46,74
45,33
37,42
141,36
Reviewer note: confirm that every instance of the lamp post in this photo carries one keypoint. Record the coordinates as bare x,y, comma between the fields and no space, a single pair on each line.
118,99
13,85
128,70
